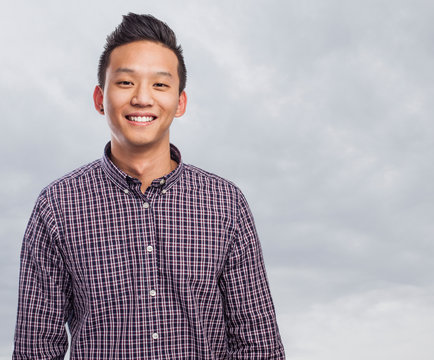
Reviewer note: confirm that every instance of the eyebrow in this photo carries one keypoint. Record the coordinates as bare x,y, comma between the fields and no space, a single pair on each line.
164,73
128,70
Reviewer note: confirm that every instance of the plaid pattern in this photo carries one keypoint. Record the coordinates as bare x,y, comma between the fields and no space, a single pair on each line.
175,273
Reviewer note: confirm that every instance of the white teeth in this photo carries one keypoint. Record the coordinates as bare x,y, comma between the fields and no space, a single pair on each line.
141,118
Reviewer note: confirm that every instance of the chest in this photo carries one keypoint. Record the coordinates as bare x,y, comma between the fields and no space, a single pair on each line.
115,243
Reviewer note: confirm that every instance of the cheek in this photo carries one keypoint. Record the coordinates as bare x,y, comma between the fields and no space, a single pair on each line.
114,101
170,103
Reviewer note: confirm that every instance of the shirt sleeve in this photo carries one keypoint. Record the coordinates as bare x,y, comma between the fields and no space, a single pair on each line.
43,291
249,311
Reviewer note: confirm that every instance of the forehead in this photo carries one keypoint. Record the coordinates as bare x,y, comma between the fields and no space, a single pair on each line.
142,56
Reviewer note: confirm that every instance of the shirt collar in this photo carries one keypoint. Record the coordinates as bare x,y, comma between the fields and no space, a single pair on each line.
124,181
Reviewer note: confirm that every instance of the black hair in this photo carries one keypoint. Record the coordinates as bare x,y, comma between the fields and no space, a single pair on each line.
136,27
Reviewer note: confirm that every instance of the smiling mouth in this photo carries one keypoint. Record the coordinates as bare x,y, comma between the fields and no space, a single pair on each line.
141,119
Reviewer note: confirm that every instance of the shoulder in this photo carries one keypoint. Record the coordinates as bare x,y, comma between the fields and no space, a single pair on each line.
195,176
213,185
78,178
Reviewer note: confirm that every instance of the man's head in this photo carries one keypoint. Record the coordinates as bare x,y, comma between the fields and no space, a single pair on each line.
142,80
141,27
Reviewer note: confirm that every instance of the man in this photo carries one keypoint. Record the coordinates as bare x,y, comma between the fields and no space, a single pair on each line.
143,256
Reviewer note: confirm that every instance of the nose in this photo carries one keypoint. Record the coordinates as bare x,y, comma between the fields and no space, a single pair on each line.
142,97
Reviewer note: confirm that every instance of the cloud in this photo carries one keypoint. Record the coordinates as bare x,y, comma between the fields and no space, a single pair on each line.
383,323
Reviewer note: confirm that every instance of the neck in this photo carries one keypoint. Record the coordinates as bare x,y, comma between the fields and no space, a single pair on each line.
145,164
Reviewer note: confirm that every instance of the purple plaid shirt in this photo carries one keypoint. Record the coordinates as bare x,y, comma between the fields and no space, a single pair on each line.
174,273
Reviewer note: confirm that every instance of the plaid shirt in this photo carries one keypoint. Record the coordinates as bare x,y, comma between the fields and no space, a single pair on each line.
174,273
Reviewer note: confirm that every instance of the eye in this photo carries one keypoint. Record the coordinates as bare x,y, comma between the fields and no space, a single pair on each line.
124,83
160,85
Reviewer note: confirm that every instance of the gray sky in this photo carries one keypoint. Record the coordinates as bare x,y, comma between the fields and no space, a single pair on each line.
321,111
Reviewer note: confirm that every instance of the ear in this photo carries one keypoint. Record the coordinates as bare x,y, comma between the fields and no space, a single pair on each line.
98,99
182,104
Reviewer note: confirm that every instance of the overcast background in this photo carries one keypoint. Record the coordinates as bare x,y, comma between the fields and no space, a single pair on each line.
321,111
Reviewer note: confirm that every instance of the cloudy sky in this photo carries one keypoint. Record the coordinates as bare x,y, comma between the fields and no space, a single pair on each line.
320,110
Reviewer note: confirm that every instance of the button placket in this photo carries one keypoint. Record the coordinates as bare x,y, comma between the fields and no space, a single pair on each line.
148,301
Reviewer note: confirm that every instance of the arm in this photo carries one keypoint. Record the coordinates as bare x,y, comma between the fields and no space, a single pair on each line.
249,312
43,291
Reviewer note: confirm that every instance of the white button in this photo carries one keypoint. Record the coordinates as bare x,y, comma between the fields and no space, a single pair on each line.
164,191
149,248
155,336
126,191
162,182
145,205
152,293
